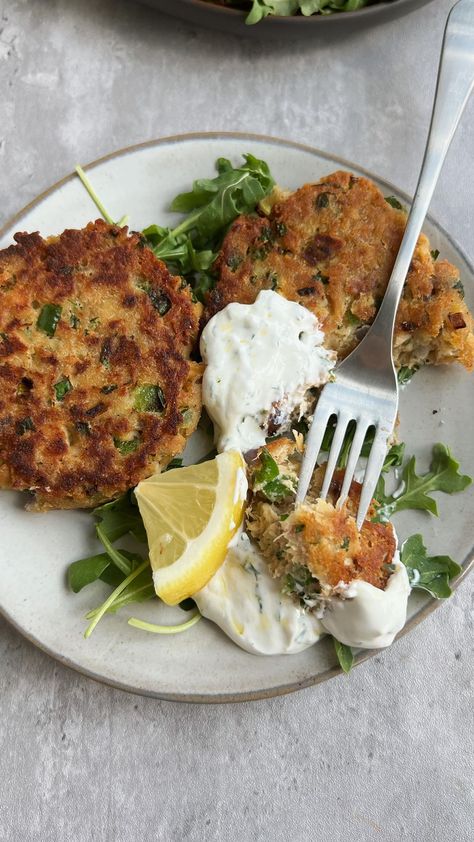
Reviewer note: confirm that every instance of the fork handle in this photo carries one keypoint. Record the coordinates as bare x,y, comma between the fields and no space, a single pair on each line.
454,85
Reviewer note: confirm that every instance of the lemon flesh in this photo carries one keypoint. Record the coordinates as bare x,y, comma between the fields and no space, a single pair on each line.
191,514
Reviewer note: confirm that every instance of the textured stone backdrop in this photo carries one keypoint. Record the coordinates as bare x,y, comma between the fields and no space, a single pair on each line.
385,754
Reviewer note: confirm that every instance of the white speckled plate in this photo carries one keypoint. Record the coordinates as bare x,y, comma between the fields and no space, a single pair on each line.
202,664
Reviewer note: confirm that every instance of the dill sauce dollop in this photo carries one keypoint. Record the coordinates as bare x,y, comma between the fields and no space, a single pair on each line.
260,357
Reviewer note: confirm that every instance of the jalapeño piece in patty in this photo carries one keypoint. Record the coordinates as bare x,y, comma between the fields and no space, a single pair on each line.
97,389
331,246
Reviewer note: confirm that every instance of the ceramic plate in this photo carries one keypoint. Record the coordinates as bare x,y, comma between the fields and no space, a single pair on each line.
35,549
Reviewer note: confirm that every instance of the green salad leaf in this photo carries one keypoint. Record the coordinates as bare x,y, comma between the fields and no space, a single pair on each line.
262,8
99,566
393,458
213,203
344,654
428,573
191,248
119,517
443,475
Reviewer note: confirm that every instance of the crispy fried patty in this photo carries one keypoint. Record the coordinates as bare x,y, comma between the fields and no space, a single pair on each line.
96,387
315,536
331,246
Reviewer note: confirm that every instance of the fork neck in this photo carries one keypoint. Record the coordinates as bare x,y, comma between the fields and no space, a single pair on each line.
454,85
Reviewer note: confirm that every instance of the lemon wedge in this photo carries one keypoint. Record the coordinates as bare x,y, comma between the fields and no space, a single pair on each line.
190,515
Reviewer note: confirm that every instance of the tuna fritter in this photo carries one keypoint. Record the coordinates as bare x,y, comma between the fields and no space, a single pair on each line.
331,246
97,390
316,545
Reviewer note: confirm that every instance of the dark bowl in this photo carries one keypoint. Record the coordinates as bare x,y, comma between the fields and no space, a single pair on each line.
295,27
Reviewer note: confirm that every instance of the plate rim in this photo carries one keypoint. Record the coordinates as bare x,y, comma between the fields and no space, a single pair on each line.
364,655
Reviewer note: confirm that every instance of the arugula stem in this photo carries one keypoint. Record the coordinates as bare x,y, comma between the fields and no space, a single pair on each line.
118,559
152,627
108,602
123,599
80,172
186,224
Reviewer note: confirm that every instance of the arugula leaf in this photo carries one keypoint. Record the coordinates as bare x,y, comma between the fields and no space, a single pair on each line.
393,458
443,475
87,570
261,8
119,517
191,248
344,654
428,573
214,203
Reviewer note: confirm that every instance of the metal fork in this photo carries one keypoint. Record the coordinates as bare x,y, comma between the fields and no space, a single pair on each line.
366,386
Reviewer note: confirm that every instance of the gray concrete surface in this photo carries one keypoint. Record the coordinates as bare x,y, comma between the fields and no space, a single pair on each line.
385,754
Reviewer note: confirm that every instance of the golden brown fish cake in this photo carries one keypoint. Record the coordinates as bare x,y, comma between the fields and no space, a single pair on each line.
315,536
331,247
97,390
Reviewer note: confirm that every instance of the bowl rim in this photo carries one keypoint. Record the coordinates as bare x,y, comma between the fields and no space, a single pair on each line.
373,9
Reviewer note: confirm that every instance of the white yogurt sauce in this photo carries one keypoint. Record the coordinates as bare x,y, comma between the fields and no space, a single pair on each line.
247,604
367,617
258,355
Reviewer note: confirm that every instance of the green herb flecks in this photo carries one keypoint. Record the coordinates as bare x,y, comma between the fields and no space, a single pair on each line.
344,654
322,201
443,475
352,319
324,279
459,287
428,573
269,482
149,398
83,427
159,300
434,254
24,426
105,352
126,446
49,318
394,202
405,374
61,388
